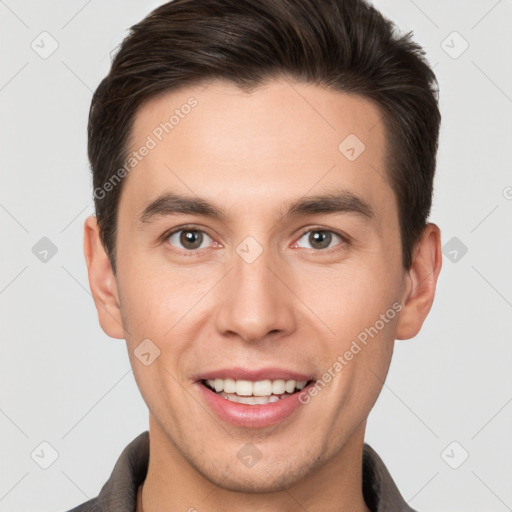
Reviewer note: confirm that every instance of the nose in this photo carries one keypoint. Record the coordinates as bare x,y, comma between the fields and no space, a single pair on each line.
255,302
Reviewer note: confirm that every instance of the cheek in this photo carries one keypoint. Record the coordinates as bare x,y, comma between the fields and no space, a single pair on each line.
149,295
351,298
360,364
361,309
163,305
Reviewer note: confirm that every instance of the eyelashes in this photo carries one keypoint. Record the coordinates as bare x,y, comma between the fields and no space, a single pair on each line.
324,231
195,238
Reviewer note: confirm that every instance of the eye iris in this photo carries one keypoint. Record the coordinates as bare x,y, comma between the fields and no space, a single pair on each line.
191,237
322,237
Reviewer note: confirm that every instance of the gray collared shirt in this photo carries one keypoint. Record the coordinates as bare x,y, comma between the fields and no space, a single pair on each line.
119,493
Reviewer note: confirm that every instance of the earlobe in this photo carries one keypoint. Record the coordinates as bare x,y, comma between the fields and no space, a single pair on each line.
102,281
421,283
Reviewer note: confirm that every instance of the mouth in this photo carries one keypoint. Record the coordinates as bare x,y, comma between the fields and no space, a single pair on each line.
254,398
261,392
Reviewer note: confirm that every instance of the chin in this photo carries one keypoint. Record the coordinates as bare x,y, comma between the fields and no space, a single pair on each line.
263,482
264,477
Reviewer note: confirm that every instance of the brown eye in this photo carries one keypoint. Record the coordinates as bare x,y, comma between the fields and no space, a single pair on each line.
189,239
320,239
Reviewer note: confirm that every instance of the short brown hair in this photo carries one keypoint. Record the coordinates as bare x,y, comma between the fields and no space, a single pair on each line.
345,45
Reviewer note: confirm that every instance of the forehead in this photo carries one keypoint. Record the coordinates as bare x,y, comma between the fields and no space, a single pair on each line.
254,150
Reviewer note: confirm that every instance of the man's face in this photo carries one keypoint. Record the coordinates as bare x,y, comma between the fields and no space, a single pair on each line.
260,289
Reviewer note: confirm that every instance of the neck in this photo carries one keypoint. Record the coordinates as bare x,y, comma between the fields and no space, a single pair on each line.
172,483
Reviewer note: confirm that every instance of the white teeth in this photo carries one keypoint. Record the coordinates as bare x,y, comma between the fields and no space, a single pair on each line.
251,400
218,384
261,388
228,386
243,387
278,387
289,386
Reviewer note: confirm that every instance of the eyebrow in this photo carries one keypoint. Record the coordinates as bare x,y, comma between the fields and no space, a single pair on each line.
342,201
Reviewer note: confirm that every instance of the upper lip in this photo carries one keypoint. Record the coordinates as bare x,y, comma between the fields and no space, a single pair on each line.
255,375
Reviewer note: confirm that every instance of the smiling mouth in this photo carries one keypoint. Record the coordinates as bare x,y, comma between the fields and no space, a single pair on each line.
254,393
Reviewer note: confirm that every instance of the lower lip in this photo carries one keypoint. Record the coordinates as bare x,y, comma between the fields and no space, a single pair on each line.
245,415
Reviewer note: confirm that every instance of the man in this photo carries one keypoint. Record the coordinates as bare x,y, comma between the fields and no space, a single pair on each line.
262,178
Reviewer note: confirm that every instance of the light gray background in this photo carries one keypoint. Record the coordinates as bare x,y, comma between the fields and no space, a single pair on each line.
63,381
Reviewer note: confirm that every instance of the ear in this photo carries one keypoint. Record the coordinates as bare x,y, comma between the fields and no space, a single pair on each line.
102,281
421,283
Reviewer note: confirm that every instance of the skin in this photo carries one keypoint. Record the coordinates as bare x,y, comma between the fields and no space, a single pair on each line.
296,306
